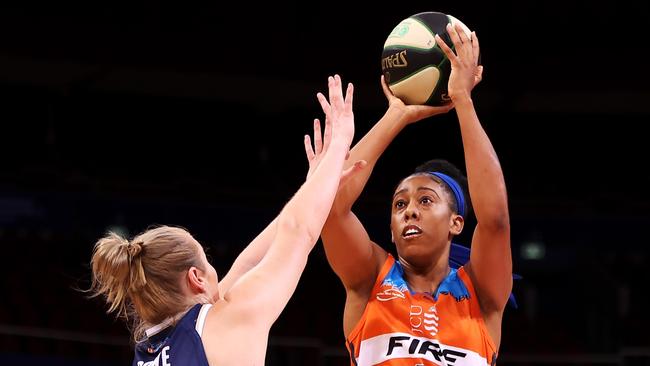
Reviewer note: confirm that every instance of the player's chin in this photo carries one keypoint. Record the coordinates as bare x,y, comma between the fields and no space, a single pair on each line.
414,249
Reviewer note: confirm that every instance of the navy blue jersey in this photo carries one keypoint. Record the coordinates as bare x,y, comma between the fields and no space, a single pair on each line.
180,345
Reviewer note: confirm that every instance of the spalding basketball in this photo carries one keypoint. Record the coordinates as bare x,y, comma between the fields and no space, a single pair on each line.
414,66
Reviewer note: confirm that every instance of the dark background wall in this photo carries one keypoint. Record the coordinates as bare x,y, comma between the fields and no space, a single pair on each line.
124,114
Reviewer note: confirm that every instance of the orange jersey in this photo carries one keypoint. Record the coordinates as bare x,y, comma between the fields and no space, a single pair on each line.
402,328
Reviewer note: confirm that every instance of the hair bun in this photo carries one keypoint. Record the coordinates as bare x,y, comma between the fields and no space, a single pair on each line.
134,248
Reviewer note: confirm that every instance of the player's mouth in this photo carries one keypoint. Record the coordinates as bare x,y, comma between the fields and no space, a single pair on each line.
411,231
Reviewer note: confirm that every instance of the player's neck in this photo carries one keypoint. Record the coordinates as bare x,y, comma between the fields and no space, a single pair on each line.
172,320
425,279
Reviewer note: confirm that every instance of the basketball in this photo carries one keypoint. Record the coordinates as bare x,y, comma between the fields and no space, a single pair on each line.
414,66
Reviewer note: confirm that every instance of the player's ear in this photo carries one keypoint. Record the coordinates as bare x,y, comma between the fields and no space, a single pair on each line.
456,224
196,281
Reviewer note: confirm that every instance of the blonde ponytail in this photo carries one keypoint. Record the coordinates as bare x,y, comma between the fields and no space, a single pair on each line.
111,272
137,278
141,279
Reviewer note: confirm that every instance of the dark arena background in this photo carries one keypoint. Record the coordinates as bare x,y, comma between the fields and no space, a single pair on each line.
118,115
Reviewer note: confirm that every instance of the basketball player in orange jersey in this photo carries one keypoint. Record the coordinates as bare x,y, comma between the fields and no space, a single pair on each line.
416,309
182,313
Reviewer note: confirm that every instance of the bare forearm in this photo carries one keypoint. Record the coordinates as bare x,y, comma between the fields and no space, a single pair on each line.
298,227
484,174
369,148
296,230
297,209
313,201
348,247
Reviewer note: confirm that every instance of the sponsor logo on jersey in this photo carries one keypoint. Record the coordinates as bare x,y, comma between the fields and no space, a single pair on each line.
161,360
422,321
390,291
406,346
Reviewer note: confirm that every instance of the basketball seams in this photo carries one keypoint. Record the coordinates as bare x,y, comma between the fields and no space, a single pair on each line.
442,62
450,44
449,21
435,88
453,48
404,47
435,44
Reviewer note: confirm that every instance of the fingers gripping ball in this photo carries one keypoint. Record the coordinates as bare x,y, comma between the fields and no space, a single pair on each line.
414,66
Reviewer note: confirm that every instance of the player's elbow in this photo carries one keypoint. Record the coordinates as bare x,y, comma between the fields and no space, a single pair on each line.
298,228
340,207
498,223
497,220
494,298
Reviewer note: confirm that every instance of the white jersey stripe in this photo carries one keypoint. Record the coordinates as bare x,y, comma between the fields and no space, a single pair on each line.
200,320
